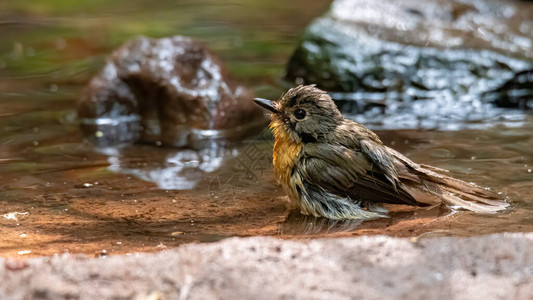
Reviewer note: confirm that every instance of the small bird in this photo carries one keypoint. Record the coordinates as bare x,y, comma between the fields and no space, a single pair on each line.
338,169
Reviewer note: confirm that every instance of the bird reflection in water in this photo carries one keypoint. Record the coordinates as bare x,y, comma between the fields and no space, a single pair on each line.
298,224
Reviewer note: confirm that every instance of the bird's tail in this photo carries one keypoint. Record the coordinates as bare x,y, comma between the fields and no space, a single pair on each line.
460,194
453,192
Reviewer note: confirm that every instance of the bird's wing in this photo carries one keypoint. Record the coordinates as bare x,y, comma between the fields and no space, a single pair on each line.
349,173
356,137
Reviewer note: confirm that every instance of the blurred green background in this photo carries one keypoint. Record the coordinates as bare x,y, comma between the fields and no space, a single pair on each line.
57,45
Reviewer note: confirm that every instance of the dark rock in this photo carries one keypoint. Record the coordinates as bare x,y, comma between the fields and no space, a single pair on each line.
171,91
388,53
517,92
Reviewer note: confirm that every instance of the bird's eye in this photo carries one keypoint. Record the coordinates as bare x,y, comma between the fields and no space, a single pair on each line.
299,114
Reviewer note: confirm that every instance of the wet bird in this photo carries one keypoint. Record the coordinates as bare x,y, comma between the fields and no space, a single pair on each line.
336,168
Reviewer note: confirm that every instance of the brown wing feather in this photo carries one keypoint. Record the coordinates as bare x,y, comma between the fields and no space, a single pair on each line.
346,172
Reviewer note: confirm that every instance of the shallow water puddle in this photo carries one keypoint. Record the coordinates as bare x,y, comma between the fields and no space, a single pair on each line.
96,205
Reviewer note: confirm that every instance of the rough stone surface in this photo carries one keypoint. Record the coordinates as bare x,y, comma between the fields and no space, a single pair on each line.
389,52
171,90
378,267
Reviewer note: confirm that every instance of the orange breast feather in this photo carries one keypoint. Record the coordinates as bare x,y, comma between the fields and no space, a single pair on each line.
285,154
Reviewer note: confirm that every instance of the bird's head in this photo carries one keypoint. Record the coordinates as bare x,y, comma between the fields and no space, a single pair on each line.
303,114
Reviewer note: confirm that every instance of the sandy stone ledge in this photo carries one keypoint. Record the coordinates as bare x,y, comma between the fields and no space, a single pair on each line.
376,267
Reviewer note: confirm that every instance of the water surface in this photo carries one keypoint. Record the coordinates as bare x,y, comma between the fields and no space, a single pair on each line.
58,194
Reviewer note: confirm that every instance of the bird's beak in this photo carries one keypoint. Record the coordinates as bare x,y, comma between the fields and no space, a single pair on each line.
266,104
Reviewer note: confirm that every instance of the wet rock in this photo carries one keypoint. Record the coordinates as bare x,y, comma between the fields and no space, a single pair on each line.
517,92
171,91
390,53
